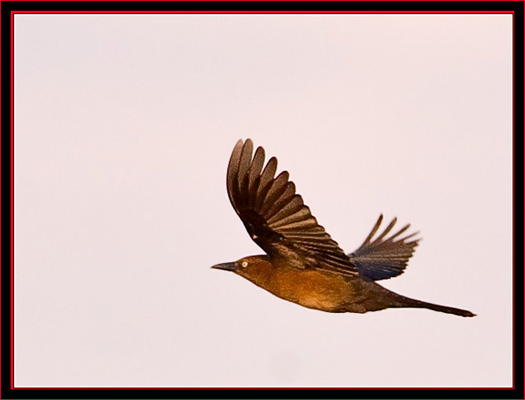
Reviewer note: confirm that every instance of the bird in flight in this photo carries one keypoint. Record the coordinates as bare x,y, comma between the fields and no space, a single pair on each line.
303,264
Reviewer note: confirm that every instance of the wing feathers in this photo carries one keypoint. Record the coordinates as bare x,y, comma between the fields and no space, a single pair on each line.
301,215
245,161
374,230
384,258
290,208
256,167
275,216
299,225
317,232
269,171
400,232
265,183
385,232
232,175
270,209
276,190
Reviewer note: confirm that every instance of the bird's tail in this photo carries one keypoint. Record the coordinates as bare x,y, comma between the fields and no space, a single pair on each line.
402,301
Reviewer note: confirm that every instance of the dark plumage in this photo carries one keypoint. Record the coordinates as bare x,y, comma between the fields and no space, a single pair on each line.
384,258
303,264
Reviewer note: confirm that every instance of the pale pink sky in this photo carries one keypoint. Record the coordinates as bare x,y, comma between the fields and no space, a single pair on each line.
123,129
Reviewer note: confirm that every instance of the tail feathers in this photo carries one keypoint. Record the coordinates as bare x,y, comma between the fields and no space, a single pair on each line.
407,302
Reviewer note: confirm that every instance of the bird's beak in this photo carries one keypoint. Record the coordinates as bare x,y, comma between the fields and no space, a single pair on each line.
229,266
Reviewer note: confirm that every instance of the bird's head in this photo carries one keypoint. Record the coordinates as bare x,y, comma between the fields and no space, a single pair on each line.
253,268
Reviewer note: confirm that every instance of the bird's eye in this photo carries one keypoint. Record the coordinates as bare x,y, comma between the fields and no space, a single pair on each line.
244,264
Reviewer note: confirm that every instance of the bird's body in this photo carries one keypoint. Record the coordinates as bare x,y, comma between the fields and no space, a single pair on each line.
325,291
309,288
303,264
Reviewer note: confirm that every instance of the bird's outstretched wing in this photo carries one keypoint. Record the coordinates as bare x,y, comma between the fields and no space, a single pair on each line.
276,217
384,258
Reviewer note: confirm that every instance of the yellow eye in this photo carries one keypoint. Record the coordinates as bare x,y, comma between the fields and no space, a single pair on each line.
244,264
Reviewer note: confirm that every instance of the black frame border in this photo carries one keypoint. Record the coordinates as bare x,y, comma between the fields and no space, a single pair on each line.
7,7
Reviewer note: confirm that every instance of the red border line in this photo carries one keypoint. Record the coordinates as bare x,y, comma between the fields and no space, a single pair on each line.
265,12
12,205
513,202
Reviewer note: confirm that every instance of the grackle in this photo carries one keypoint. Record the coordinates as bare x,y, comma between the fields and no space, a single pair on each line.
303,264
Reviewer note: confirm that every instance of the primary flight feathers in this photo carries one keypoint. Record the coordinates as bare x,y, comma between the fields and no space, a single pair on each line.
384,258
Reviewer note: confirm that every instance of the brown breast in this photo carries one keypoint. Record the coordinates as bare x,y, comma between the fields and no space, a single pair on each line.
310,288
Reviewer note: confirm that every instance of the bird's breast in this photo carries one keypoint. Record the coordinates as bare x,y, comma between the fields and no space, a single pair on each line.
310,288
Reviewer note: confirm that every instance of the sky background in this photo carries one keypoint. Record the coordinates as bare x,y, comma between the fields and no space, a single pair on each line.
124,125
